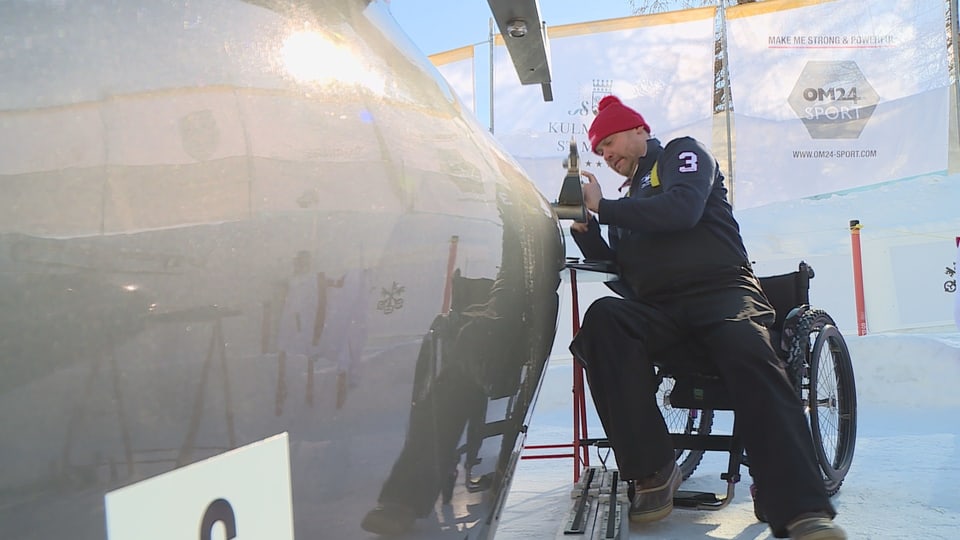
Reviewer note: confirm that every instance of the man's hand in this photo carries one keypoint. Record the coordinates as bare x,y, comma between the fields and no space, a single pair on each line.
579,227
591,192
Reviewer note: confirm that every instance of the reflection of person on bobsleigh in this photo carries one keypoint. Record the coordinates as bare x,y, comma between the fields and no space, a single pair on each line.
306,332
344,336
462,362
301,319
475,352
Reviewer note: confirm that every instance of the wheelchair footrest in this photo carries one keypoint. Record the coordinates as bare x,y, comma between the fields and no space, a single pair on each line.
693,499
702,500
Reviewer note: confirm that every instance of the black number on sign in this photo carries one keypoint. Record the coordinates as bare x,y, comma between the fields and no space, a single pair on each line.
219,510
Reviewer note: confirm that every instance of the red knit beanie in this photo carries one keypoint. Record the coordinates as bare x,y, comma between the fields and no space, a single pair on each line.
612,117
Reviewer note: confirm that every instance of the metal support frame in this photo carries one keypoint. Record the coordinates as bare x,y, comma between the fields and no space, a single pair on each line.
579,450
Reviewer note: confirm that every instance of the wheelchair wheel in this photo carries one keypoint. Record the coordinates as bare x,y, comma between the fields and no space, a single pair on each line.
829,394
685,421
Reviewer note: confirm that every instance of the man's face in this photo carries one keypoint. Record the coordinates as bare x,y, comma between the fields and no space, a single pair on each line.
623,150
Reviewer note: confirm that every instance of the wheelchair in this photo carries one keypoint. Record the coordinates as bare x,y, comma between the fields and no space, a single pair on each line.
819,366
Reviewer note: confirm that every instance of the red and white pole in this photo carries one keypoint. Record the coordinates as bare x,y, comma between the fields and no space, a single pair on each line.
858,277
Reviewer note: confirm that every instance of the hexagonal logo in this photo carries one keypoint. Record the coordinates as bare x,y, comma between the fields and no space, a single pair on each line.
833,99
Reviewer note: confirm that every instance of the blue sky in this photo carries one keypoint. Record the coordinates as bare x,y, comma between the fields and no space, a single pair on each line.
441,25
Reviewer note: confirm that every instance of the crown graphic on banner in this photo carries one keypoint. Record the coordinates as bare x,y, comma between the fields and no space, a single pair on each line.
601,88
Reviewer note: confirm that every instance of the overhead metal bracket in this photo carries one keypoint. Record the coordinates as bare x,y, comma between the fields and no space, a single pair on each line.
525,35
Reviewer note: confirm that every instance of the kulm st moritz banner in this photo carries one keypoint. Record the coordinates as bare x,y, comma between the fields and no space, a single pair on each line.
833,95
661,65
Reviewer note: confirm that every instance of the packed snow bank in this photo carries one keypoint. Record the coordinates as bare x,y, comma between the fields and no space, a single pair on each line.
910,370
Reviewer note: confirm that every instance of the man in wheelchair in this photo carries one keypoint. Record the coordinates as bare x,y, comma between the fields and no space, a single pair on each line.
687,279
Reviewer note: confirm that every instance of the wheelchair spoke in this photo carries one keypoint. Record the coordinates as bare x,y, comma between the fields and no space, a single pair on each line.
826,400
683,421
830,396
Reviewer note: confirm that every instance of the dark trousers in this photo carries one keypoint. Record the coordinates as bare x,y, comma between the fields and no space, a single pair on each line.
618,343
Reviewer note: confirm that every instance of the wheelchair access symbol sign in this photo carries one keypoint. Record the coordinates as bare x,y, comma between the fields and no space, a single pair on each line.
244,493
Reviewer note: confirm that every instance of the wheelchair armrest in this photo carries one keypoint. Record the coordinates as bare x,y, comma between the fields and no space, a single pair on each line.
617,285
593,265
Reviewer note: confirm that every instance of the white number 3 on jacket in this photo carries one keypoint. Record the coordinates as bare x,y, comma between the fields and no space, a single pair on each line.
689,162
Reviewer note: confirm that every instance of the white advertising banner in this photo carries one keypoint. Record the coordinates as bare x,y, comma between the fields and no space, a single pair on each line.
922,290
661,65
950,285
457,68
831,95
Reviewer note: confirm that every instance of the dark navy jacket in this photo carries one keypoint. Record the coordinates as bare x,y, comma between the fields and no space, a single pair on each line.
678,236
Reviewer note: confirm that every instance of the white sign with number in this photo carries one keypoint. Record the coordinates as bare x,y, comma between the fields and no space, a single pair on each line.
244,493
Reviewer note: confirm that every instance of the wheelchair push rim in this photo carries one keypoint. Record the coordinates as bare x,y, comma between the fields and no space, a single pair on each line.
830,401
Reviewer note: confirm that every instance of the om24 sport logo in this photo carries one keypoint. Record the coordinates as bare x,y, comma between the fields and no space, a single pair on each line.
834,100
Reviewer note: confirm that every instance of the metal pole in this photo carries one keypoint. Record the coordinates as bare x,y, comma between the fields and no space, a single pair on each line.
581,457
955,34
726,96
491,74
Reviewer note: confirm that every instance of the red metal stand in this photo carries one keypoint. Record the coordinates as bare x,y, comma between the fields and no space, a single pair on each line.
580,453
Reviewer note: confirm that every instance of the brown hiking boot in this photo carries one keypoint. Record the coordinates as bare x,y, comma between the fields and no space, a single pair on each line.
652,498
815,527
